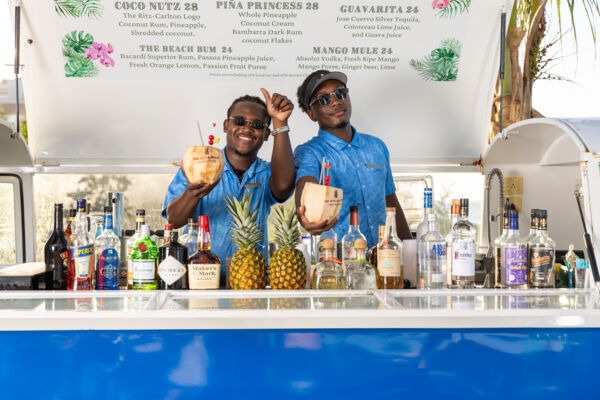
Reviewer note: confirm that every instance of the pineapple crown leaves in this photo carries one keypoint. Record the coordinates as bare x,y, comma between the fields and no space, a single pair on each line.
245,229
287,235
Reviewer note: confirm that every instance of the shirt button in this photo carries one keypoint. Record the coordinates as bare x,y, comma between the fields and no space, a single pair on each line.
368,207
349,145
364,186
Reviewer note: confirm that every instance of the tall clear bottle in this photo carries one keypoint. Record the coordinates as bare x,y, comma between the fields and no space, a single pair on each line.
56,254
431,248
144,261
108,247
427,209
390,266
329,273
353,241
454,215
81,254
498,243
514,256
190,239
541,255
172,261
463,250
140,220
359,273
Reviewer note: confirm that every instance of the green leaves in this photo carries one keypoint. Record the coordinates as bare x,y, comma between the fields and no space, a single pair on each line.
453,8
80,67
442,64
78,41
79,8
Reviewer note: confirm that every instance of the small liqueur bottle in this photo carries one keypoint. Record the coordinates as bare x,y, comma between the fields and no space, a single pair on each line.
81,254
431,248
68,230
143,261
190,239
498,243
329,273
352,238
359,273
454,214
514,256
108,247
140,220
541,255
56,254
463,250
172,260
390,268
427,209
204,267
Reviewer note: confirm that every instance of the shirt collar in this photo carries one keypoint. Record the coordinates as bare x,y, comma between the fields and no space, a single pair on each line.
257,166
338,143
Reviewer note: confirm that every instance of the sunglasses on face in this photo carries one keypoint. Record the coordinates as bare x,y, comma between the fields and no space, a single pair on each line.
325,99
252,123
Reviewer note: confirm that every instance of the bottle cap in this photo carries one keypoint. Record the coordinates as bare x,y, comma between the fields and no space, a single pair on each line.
203,223
353,208
108,209
81,205
390,209
72,213
58,206
191,221
455,206
140,212
327,243
168,227
543,213
145,230
464,203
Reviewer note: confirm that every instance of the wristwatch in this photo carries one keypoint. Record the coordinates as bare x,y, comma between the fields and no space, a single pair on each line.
277,131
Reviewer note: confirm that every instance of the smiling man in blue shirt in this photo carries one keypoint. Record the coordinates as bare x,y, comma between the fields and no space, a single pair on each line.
247,128
360,162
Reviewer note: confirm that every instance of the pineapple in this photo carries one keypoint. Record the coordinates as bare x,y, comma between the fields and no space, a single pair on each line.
288,266
248,268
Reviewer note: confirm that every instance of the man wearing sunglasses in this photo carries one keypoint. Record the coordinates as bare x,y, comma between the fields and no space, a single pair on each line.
360,163
247,128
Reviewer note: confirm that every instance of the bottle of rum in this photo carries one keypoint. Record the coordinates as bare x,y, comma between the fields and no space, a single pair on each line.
68,230
463,250
427,209
541,255
514,256
204,267
431,250
353,240
56,254
108,247
81,254
190,239
143,261
329,273
390,268
454,214
498,243
359,273
140,220
172,260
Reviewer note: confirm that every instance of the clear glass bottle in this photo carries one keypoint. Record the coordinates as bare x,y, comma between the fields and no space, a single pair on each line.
329,273
56,254
140,220
390,266
359,273
81,254
454,214
498,243
190,239
431,248
326,237
353,241
172,261
108,247
143,261
514,256
427,209
541,255
463,250
204,267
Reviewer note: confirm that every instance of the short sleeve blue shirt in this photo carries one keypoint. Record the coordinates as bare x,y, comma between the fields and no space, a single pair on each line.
255,180
360,168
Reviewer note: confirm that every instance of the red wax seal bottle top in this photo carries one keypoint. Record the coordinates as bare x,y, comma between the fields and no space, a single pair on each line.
142,247
203,223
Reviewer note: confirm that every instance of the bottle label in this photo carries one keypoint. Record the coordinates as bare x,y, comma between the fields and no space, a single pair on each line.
108,263
204,276
143,270
170,270
83,258
463,258
389,262
541,265
515,266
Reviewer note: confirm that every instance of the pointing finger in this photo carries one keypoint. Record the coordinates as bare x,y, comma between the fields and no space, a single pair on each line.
267,96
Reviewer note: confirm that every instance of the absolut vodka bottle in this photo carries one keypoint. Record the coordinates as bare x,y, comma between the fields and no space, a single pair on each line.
463,250
514,256
431,248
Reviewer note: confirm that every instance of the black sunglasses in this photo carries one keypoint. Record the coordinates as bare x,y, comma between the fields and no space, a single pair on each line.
253,123
325,99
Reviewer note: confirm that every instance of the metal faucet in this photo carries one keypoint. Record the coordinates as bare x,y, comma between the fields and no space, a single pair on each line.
488,188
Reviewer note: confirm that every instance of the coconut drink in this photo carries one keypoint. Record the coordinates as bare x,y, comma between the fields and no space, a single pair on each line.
202,164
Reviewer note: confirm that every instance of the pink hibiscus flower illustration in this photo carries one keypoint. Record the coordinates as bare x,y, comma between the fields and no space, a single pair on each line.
440,4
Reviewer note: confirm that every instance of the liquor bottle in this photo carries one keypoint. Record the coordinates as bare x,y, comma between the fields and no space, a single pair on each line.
390,268
427,209
353,240
190,239
541,255
68,230
167,233
498,243
432,257
172,260
56,254
372,254
140,220
454,214
329,273
143,261
204,267
359,273
534,225
463,250
326,237
81,254
108,247
514,256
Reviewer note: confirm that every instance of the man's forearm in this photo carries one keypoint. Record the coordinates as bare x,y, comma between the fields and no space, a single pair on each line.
181,208
282,166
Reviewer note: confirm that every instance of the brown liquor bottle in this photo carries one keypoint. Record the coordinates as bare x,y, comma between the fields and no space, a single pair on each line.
390,266
204,267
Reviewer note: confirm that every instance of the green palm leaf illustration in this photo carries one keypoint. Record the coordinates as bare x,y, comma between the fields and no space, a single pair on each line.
78,41
79,8
64,9
80,67
454,8
452,44
441,64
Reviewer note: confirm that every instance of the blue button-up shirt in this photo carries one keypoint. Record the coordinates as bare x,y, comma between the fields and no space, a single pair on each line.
360,168
255,179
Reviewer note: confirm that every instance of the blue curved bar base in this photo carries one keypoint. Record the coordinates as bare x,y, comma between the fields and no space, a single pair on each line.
287,364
